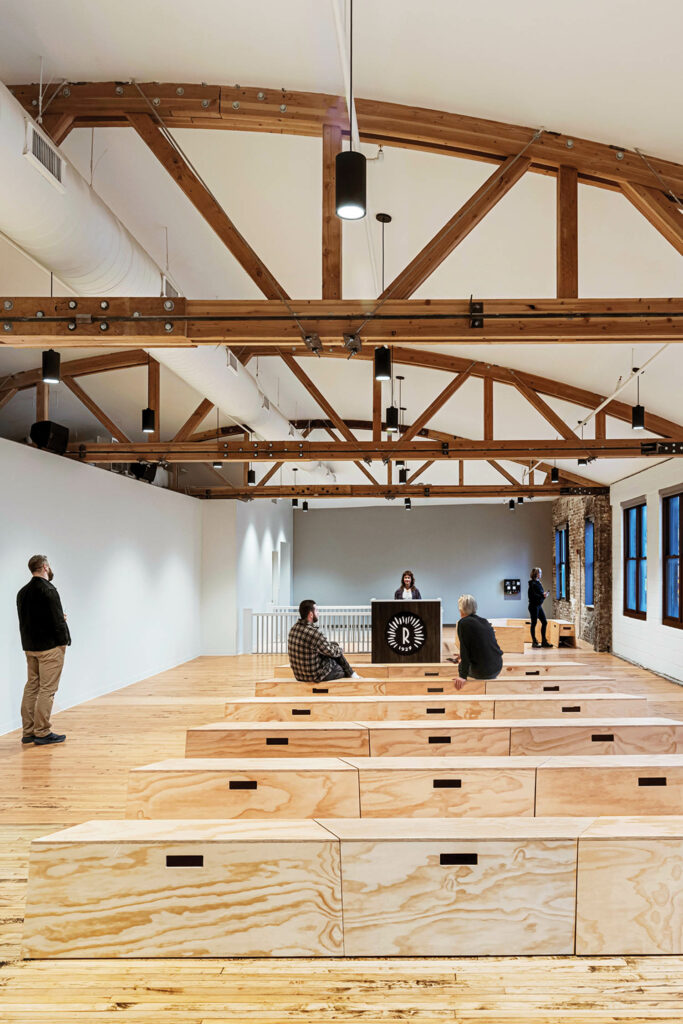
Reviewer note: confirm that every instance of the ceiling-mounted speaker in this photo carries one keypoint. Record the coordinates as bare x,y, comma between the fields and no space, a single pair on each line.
143,471
52,437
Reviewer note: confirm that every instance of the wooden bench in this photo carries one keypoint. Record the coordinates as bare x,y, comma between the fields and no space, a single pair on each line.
244,788
640,784
458,887
367,687
446,669
565,684
277,739
180,889
561,633
448,706
629,887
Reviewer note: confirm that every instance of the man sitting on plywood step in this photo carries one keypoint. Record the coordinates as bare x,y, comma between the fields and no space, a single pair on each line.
314,658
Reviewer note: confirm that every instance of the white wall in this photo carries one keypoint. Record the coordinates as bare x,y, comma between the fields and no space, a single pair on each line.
647,641
239,542
348,556
127,564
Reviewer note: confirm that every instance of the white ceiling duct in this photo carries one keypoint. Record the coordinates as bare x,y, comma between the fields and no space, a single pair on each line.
50,212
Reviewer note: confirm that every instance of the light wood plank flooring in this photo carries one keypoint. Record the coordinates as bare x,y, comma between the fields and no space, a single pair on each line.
44,789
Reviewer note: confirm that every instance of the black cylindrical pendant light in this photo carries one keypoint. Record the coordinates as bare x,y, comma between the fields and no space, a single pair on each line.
148,421
305,506
217,465
520,500
251,476
554,475
350,185
408,504
295,502
392,419
383,363
638,417
403,476
349,167
51,360
512,504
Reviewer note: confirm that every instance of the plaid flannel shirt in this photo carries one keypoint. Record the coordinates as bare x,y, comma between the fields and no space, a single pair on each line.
309,652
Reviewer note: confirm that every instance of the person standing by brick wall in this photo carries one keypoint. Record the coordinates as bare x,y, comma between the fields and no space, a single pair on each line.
537,596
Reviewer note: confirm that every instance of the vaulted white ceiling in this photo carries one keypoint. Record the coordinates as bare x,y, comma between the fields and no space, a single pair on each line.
603,71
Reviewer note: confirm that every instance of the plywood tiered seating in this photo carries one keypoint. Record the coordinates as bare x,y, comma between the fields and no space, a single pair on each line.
488,737
448,706
404,687
446,669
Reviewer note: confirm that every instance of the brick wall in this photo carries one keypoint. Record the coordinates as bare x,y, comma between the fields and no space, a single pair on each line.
592,624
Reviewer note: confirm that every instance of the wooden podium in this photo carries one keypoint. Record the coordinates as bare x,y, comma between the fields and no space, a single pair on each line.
406,632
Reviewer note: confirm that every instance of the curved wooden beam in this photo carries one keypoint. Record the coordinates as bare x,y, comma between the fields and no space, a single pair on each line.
188,105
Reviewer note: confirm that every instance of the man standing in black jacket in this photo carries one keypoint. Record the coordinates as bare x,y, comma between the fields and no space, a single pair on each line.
537,596
44,638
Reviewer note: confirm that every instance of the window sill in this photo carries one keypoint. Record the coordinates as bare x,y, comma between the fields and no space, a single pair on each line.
634,615
590,607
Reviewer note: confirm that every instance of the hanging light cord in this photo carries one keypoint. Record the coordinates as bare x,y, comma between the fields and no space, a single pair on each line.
427,252
350,76
660,179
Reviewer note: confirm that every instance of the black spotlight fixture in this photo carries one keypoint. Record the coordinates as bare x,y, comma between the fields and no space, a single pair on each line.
408,504
383,363
350,167
217,465
582,462
384,219
520,500
403,476
305,506
295,502
554,475
511,504
392,419
148,421
638,410
51,361
251,476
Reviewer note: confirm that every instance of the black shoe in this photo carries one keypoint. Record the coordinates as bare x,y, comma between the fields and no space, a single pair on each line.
28,739
52,737
535,643
546,644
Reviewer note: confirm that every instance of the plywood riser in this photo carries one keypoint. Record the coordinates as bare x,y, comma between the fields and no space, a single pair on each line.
510,685
446,669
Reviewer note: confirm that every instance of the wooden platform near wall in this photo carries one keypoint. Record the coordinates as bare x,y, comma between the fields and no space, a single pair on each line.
86,778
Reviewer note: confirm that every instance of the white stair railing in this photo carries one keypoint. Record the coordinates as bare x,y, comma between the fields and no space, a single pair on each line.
348,625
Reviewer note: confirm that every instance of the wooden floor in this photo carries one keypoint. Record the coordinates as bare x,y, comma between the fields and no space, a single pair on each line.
86,777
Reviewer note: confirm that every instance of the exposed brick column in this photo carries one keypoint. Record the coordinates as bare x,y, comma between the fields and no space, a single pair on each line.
592,624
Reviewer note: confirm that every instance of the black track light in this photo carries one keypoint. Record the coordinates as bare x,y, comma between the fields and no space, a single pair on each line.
520,500
400,463
148,421
251,476
582,462
408,504
51,360
305,506
392,419
217,465
512,504
554,475
638,417
295,502
383,363
403,476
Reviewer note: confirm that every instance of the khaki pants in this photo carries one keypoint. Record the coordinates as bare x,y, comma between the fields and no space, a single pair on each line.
44,671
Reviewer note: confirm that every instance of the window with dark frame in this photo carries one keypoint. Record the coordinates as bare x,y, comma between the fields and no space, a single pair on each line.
589,561
635,561
562,563
672,603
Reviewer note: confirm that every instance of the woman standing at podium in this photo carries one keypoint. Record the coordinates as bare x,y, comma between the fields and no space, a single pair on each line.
407,591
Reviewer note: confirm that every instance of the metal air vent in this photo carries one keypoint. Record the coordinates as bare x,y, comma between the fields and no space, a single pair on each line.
43,155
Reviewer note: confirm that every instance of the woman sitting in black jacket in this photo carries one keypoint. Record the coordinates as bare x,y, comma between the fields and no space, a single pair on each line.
407,591
537,596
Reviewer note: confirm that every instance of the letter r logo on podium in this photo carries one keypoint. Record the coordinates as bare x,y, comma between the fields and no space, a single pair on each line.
406,634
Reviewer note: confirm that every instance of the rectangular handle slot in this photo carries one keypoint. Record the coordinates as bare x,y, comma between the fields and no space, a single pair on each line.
536,672
436,711
551,689
184,860
439,739
431,673
572,707
602,737
242,784
277,741
447,784
435,689
319,689
301,711
659,780
459,858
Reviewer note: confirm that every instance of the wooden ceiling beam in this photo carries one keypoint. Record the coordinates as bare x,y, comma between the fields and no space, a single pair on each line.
188,105
317,396
42,401
194,419
548,414
659,209
58,126
331,224
202,200
457,228
394,491
437,404
7,395
488,408
420,470
95,409
567,240
503,471
153,398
